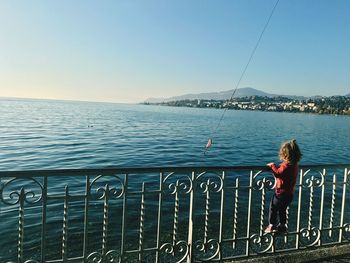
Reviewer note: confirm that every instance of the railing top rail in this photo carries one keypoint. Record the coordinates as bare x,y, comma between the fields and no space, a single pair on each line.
128,170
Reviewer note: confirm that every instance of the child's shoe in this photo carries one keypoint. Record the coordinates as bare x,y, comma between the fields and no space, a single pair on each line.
270,229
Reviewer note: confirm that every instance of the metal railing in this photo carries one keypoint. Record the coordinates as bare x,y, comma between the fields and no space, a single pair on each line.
193,214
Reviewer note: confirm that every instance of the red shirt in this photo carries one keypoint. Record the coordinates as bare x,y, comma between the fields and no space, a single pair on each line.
286,177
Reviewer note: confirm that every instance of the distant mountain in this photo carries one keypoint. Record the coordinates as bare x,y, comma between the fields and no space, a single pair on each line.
347,95
223,95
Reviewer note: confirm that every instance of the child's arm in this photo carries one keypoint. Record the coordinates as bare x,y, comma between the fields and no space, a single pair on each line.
278,171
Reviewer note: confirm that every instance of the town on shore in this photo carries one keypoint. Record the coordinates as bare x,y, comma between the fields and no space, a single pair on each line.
338,105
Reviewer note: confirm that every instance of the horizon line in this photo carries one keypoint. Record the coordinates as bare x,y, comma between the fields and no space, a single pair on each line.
65,100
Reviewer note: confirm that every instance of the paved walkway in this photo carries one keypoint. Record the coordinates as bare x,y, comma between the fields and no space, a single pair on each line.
339,259
331,254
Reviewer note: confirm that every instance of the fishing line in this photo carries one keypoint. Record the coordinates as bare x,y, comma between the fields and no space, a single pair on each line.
210,140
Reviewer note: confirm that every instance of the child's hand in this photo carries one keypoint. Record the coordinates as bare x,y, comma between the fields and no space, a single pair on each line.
270,164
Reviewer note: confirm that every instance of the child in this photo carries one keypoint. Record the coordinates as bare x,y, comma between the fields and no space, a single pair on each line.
286,176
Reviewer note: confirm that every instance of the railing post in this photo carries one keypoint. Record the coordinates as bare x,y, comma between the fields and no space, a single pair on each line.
299,208
176,214
221,214
142,222
249,212
86,216
125,199
311,204
190,220
43,222
322,204
287,224
206,213
105,221
235,214
331,219
21,226
65,225
160,200
343,205
262,208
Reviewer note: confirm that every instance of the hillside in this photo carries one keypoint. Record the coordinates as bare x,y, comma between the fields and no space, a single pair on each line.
223,95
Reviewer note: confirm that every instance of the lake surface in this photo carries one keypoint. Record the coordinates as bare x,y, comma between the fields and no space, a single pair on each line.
39,134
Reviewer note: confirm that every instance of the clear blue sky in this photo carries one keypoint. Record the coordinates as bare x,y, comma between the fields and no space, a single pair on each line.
127,51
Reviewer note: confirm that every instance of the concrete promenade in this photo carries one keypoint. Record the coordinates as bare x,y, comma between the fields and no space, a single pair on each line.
331,254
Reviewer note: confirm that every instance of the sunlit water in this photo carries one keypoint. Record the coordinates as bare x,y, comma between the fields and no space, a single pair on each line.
38,134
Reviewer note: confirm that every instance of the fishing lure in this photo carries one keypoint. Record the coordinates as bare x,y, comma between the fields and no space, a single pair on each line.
209,144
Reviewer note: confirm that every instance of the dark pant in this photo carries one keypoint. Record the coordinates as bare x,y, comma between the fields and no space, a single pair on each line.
278,205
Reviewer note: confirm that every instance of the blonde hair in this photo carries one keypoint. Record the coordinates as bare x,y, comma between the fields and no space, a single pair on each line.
290,152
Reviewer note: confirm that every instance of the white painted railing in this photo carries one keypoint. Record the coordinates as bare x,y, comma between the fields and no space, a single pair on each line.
192,214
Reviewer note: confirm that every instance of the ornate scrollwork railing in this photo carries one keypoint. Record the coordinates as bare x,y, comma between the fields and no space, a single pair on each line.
16,190
199,214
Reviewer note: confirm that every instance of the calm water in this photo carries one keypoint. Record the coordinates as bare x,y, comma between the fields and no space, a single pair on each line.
38,134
